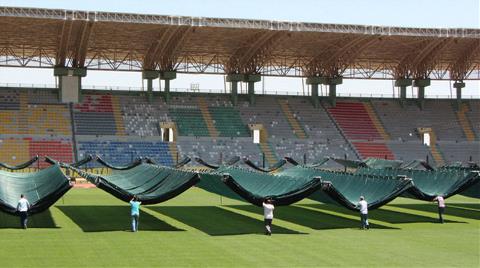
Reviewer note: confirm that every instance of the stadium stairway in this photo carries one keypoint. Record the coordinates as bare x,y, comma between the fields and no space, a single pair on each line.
373,149
292,120
267,150
376,121
23,114
465,122
437,155
117,114
361,126
172,147
207,117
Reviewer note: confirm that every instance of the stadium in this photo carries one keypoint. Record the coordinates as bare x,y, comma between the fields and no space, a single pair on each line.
203,162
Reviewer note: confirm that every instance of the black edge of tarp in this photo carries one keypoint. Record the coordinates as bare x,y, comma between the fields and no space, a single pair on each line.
22,165
282,200
182,163
319,163
201,162
135,163
83,161
473,178
148,160
232,161
77,164
124,195
42,204
276,166
291,161
349,163
337,196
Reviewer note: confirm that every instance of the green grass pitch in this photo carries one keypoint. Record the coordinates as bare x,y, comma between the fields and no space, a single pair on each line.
90,228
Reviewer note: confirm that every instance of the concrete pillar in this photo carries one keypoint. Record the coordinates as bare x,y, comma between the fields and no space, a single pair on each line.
403,83
149,75
314,81
421,84
251,79
459,85
167,76
234,79
333,82
70,83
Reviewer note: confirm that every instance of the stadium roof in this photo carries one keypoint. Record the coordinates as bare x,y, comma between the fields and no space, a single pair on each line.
34,37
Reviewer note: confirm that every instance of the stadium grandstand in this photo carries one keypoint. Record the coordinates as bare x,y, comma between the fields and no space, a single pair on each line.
70,121
207,172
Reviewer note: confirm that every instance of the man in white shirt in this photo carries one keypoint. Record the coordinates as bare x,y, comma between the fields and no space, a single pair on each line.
22,207
363,205
268,208
441,207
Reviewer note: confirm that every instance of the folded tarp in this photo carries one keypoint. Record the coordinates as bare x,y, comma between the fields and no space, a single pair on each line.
349,163
135,163
20,166
428,184
346,188
150,183
204,163
254,187
42,188
273,168
380,163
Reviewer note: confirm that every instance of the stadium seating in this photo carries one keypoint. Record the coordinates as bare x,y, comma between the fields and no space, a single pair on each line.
35,120
228,122
121,153
95,116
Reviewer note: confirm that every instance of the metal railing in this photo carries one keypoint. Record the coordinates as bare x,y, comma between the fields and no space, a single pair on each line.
223,91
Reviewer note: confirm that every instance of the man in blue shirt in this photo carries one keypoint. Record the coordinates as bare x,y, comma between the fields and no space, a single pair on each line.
135,212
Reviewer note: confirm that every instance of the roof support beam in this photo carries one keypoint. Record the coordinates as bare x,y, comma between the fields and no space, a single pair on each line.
460,68
82,44
63,42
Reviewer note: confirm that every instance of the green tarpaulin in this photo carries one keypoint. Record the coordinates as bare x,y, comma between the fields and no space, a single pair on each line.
255,187
42,188
346,188
431,183
150,183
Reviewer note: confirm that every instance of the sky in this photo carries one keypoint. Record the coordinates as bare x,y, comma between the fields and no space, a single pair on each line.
403,13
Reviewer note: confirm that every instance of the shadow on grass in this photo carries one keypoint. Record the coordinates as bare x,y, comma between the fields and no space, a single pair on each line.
216,221
112,218
381,214
456,209
40,220
310,218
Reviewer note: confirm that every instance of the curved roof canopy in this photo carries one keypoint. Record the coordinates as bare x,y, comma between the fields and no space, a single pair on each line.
132,42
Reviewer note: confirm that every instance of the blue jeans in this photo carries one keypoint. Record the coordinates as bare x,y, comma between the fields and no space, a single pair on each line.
364,220
135,223
23,219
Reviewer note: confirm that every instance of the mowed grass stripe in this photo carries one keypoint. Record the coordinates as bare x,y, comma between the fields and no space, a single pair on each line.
90,228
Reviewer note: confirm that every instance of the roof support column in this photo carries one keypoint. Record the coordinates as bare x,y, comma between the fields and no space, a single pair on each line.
403,83
314,81
149,75
234,79
70,83
251,79
332,92
459,85
167,76
421,84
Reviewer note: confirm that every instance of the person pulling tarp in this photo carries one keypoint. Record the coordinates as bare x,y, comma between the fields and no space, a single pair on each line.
42,188
429,184
345,188
255,187
151,184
